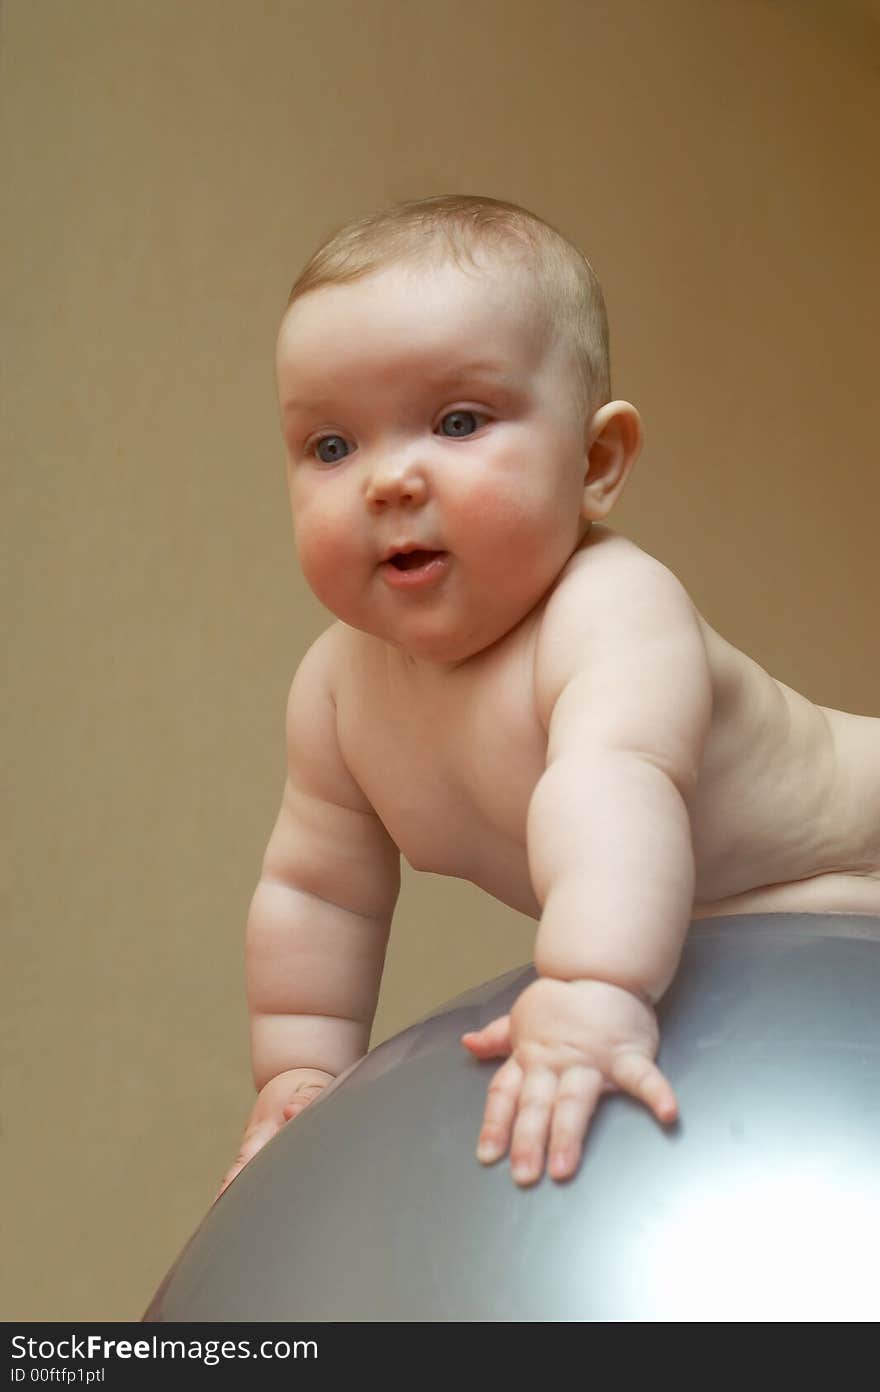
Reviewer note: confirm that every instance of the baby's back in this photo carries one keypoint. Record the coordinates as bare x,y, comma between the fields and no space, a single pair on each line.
787,812
785,817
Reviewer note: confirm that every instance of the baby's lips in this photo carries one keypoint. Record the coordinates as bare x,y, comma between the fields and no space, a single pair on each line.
405,547
411,560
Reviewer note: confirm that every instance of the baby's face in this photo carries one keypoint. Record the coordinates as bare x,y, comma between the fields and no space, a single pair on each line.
436,454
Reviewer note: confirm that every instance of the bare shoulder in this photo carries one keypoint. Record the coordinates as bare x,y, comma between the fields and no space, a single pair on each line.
610,559
620,661
616,606
315,761
328,665
610,584
615,594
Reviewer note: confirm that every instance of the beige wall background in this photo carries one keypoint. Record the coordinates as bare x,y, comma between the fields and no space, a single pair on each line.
166,167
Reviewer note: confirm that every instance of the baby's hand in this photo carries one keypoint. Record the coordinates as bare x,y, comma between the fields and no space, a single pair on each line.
568,1041
279,1101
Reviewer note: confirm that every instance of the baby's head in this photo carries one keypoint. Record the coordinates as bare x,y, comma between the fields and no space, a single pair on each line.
479,234
444,389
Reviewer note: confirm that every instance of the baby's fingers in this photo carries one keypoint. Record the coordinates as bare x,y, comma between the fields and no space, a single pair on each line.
528,1145
492,1041
637,1075
499,1112
301,1100
255,1138
576,1101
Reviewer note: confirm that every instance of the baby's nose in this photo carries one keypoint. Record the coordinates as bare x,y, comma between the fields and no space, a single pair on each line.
401,484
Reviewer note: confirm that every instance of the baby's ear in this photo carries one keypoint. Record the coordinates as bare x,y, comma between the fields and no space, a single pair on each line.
613,444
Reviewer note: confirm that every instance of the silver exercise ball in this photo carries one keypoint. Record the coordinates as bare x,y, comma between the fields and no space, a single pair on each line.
763,1203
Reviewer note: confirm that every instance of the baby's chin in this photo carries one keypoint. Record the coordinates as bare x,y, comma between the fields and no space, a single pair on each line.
432,649
436,646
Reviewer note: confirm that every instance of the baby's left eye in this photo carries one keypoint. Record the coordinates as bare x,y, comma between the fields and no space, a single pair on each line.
456,424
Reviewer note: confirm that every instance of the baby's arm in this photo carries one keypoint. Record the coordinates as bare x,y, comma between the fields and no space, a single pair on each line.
624,686
319,919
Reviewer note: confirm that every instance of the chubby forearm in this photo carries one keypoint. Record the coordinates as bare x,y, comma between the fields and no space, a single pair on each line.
612,864
313,972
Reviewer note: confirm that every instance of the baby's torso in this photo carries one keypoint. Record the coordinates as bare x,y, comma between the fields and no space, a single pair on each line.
786,816
451,770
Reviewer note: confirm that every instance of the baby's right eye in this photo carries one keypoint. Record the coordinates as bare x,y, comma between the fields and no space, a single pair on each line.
330,449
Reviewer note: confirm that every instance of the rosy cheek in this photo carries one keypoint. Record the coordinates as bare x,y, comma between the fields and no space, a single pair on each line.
491,496
317,537
316,515
508,514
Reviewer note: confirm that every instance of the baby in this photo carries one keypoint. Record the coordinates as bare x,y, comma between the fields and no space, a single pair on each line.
513,693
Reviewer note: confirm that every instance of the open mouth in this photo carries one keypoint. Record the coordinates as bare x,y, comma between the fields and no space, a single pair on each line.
411,560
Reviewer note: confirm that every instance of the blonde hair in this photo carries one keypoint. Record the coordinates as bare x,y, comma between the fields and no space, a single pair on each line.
459,227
